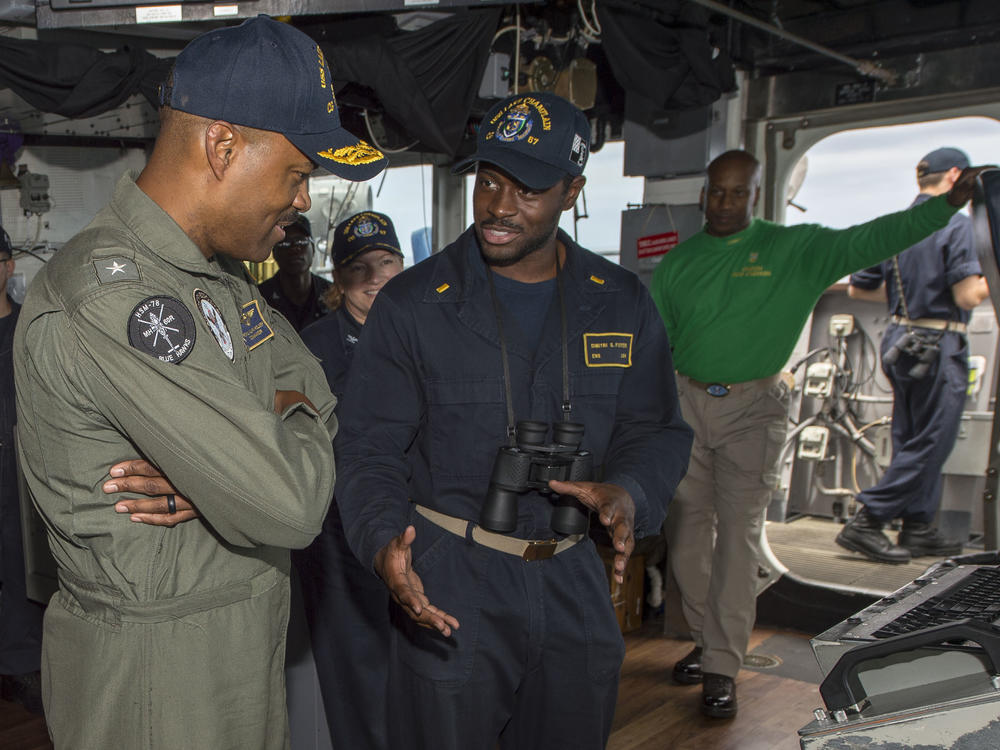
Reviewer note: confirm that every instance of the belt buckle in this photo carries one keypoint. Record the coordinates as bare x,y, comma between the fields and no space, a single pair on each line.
717,390
539,550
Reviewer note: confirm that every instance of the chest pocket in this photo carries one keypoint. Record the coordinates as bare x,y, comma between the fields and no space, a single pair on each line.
466,421
595,397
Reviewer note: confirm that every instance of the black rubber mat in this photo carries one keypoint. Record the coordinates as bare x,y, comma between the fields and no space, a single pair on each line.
793,656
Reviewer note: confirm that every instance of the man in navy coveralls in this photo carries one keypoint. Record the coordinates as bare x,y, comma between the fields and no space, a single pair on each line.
507,636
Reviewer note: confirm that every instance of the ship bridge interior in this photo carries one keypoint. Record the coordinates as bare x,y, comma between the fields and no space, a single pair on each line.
675,83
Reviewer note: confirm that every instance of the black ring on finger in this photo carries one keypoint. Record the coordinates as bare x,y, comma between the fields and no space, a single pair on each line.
171,504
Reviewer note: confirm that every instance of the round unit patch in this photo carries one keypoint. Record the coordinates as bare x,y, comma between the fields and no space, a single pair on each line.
365,228
162,327
215,322
516,124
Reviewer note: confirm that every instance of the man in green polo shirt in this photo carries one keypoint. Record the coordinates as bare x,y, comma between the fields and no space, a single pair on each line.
734,298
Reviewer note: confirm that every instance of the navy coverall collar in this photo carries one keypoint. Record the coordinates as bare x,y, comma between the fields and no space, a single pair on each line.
460,278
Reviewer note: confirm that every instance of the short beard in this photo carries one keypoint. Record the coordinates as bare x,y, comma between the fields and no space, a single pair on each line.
532,246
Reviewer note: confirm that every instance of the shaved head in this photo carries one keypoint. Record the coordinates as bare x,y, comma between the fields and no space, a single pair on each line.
178,127
736,160
731,192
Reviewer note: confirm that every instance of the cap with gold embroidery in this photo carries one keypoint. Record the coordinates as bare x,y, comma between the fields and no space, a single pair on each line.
368,230
268,75
537,138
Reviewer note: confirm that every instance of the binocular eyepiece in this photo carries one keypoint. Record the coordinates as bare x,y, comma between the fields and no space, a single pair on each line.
530,465
925,349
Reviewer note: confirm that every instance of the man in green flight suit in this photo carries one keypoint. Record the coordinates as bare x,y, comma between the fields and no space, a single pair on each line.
145,338
734,298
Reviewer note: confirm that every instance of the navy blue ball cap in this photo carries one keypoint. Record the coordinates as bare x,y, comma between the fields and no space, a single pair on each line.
941,160
268,75
368,230
536,138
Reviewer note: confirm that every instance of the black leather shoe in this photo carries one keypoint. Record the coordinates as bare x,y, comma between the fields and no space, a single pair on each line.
25,689
687,671
718,696
863,534
923,539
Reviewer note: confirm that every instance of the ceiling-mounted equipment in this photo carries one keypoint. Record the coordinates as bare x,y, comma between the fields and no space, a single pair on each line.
864,67
578,83
541,74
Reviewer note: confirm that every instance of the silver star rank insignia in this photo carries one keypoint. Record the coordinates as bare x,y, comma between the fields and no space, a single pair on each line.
116,269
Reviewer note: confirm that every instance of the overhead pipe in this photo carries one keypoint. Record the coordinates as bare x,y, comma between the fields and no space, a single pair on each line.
864,67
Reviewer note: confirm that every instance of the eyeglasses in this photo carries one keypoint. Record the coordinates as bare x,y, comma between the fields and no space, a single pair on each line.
293,244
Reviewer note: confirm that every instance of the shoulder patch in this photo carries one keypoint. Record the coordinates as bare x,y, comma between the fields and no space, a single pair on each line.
215,322
116,269
163,328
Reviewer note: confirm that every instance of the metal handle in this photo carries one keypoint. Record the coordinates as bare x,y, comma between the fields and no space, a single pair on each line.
842,688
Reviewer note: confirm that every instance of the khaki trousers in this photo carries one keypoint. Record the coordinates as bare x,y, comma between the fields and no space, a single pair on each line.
714,521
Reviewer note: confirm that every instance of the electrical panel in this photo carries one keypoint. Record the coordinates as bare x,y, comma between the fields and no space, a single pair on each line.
812,443
841,324
496,77
819,379
34,193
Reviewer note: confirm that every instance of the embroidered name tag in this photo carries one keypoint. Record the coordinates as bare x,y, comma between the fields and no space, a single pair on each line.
255,329
607,349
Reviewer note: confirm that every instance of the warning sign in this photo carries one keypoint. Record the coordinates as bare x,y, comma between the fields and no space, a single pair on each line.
656,245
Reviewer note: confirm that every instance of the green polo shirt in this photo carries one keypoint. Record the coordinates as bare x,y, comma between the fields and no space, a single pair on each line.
735,306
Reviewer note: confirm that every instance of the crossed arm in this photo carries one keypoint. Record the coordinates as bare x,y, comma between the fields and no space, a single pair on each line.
141,477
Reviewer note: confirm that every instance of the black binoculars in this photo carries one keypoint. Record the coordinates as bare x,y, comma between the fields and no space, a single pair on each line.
921,347
529,466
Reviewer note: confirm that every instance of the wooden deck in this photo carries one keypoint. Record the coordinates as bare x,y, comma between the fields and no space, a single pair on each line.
652,714
20,730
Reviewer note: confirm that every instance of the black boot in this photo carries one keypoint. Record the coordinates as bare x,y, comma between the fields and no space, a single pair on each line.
718,696
863,534
923,539
687,671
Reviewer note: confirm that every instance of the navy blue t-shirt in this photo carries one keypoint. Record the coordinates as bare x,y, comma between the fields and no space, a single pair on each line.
524,308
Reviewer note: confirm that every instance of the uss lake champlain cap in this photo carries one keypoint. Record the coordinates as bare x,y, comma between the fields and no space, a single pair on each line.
941,160
368,230
268,75
536,138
